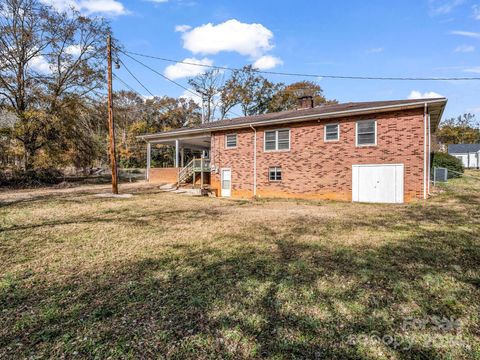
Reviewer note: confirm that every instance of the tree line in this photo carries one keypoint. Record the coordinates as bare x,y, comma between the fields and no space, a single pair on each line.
53,111
52,102
254,94
463,129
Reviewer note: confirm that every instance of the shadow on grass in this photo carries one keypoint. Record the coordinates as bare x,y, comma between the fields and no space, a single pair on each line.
127,217
298,298
52,194
303,300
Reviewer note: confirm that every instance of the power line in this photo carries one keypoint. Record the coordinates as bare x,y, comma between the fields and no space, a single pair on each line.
136,79
167,78
128,86
133,90
159,73
388,78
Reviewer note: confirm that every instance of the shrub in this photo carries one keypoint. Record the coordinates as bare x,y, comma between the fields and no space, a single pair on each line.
31,178
450,162
128,163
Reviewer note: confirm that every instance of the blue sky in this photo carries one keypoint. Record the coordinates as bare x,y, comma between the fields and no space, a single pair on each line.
419,38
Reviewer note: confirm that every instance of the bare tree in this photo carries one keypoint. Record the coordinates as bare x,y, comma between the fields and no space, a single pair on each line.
46,59
208,85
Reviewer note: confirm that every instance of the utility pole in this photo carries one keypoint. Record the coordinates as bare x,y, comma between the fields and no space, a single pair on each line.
111,125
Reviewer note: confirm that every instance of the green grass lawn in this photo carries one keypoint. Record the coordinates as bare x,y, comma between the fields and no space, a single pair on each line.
169,276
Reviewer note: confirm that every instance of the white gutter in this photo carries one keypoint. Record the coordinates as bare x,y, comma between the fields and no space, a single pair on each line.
254,161
429,154
425,151
294,119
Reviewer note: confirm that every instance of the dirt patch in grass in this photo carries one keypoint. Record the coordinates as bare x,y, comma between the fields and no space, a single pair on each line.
160,275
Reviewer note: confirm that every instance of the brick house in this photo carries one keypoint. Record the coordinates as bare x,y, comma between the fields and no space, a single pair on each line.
365,151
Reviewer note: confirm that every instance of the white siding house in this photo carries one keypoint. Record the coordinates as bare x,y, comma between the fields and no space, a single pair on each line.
468,153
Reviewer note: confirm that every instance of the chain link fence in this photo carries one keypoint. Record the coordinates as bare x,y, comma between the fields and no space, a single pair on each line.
442,175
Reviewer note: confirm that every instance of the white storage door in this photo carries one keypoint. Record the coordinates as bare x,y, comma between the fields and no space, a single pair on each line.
377,183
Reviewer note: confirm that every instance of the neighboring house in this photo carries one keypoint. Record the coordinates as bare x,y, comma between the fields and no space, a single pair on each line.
365,151
468,153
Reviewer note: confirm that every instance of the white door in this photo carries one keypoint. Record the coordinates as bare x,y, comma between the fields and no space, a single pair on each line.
472,161
377,183
226,182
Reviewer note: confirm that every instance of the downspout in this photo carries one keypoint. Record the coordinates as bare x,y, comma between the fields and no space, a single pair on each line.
254,161
429,154
425,152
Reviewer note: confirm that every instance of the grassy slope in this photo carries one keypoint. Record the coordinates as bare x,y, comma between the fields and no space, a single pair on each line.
165,275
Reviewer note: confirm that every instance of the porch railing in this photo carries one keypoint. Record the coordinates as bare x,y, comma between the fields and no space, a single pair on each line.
201,164
194,166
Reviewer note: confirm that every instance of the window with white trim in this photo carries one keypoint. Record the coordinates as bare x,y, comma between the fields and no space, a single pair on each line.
332,132
366,133
277,140
230,141
275,173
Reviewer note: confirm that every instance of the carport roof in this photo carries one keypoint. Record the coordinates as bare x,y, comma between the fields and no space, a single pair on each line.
435,106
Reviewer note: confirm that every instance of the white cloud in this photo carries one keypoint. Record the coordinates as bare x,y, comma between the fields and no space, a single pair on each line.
74,50
62,5
189,96
267,62
476,12
232,35
182,28
443,7
105,7
40,64
375,50
179,70
475,70
415,94
158,1
470,34
465,48
109,7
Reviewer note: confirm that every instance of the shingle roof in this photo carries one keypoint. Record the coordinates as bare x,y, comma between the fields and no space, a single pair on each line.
290,115
463,148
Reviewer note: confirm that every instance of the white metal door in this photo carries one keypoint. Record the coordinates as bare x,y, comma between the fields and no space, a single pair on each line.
377,183
472,161
226,182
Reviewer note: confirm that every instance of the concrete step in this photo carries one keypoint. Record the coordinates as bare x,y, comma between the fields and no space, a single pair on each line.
189,191
168,187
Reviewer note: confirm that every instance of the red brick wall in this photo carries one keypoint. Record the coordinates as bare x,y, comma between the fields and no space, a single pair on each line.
314,168
163,175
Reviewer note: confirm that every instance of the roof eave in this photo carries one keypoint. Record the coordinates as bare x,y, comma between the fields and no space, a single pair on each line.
334,114
435,126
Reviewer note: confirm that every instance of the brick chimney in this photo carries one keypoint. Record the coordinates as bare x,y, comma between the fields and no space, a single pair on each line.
305,102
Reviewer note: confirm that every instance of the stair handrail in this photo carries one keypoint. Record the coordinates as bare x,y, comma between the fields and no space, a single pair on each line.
185,170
